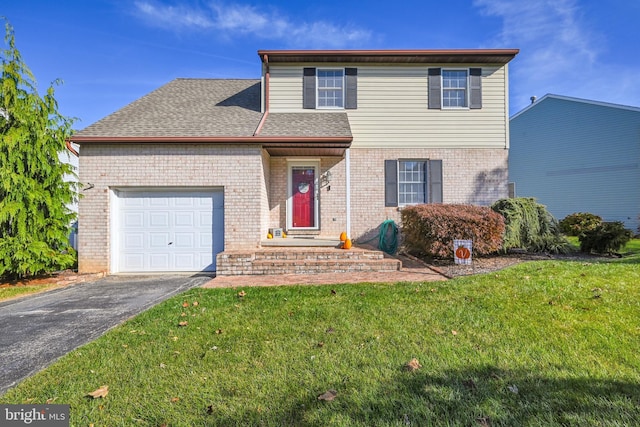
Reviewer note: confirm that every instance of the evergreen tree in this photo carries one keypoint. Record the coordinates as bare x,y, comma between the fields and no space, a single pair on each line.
34,218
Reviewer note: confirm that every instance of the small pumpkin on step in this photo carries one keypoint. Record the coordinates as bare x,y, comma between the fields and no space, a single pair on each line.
343,236
346,244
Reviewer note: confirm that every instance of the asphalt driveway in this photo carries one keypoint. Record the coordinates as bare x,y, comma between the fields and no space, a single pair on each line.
37,330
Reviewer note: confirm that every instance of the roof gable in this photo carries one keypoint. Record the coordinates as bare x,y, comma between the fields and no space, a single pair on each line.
572,99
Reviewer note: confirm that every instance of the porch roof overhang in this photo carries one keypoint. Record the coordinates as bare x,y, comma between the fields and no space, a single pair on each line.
396,56
275,145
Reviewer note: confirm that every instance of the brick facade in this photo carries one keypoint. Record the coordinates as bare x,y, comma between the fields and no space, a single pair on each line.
238,170
470,176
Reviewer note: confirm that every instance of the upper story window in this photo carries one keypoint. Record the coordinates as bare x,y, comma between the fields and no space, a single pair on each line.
454,89
451,88
330,88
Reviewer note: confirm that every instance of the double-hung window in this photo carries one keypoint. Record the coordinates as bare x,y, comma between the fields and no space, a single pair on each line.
412,182
330,88
454,89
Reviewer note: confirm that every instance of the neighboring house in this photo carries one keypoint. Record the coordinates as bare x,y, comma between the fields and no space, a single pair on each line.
324,142
577,155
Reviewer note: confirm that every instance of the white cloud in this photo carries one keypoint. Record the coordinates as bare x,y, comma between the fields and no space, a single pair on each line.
559,52
234,20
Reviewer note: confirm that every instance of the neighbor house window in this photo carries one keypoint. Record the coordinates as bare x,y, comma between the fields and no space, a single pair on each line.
412,182
330,88
454,88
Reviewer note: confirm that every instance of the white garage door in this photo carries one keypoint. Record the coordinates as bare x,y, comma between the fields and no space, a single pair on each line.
168,230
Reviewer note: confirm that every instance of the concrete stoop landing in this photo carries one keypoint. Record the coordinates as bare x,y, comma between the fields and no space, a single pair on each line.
303,260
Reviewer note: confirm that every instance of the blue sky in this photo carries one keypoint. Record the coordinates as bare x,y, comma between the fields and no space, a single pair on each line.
111,52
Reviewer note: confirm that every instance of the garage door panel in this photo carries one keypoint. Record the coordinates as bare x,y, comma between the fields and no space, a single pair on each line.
159,261
159,241
133,262
133,219
185,240
169,230
133,240
158,202
186,219
159,219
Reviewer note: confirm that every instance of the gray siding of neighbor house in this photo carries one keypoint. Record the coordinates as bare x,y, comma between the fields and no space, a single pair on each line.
575,155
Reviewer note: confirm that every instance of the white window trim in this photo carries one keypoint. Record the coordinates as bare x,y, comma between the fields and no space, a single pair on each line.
344,88
426,181
315,164
466,92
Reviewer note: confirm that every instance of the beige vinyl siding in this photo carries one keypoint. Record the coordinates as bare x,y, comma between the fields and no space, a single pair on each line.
392,107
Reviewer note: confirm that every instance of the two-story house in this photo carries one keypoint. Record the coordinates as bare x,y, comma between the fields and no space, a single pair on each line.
324,142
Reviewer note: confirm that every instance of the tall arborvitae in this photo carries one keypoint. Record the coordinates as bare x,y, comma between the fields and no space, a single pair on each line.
34,218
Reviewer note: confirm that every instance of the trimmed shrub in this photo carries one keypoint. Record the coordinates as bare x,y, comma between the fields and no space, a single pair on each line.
577,223
430,229
608,237
529,226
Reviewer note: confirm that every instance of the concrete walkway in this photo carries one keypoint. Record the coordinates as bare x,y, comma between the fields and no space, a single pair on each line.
412,271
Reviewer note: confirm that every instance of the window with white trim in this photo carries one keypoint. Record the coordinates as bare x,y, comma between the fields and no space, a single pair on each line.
412,182
455,88
330,88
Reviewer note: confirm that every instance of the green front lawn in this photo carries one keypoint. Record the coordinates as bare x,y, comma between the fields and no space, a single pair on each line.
542,343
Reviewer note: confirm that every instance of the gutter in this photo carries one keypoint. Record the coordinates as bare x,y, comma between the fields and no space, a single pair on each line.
67,143
215,139
265,61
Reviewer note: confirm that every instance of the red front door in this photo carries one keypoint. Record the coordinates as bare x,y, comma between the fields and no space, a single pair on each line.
303,196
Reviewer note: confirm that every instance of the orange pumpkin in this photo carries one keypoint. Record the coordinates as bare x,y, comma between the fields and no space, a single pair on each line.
463,253
343,236
347,244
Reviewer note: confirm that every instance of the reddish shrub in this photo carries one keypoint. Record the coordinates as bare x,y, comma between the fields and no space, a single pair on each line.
430,229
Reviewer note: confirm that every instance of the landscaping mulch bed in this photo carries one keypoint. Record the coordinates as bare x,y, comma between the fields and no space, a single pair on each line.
481,265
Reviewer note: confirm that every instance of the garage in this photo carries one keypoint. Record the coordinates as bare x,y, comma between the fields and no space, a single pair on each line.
166,230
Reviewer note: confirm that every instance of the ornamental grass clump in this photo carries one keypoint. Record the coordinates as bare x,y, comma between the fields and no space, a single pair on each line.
529,226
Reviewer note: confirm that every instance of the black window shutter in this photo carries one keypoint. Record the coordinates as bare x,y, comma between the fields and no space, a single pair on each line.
435,181
391,183
434,91
475,84
309,88
351,83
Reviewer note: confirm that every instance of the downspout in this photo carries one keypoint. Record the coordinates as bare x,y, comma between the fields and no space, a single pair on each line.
67,143
265,60
347,158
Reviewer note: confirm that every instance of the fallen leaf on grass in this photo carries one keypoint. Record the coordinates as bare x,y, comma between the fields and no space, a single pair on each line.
183,323
183,314
100,392
162,365
320,344
333,292
328,395
242,294
51,400
195,303
185,304
174,399
412,365
513,389
454,332
218,331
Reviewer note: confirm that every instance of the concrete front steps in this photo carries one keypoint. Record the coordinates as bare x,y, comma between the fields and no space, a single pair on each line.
297,260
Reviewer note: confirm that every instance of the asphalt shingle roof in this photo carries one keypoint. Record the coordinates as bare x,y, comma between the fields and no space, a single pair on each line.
187,108
323,124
